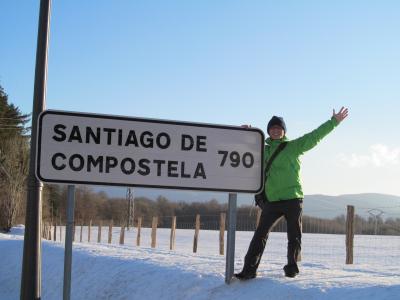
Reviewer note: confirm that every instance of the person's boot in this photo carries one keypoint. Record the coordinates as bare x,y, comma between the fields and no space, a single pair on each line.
245,275
291,270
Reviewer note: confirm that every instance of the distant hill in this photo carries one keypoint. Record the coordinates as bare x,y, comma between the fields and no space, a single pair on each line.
331,206
322,206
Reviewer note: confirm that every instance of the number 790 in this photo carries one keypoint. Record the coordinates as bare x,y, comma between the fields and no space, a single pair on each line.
247,159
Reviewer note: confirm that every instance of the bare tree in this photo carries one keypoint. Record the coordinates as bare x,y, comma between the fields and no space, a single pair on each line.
14,158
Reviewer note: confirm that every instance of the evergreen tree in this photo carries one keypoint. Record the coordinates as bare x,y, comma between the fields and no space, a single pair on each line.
12,121
14,158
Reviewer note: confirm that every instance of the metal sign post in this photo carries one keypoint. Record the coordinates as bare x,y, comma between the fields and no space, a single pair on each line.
230,243
68,242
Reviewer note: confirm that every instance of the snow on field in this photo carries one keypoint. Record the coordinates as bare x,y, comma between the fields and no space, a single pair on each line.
113,271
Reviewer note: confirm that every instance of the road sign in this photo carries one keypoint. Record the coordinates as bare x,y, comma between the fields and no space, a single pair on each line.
83,148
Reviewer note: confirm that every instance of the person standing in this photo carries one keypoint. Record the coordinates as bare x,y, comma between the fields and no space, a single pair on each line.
283,191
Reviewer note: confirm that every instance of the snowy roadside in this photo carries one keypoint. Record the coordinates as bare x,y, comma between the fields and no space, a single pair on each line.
102,271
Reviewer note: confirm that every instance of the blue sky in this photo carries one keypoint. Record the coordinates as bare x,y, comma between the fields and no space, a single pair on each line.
228,62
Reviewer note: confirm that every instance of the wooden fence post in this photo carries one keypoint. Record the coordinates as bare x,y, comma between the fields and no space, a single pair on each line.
172,237
60,230
110,226
44,230
349,234
73,232
222,219
122,235
49,229
154,232
55,232
173,234
89,230
139,227
196,233
80,239
99,232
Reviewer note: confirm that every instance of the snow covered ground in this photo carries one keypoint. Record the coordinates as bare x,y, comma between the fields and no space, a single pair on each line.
112,271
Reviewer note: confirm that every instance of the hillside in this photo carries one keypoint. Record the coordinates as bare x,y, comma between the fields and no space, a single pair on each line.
318,205
331,206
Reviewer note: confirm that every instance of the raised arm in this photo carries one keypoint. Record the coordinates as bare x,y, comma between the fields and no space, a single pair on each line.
310,140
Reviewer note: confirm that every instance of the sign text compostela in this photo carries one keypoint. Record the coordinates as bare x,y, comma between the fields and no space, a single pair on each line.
83,148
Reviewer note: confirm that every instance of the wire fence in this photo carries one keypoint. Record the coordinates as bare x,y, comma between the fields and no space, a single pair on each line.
376,240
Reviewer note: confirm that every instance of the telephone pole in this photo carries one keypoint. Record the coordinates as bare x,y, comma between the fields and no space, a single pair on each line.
31,280
376,213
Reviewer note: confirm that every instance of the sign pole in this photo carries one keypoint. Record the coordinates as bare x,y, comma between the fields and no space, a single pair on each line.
230,244
31,262
68,242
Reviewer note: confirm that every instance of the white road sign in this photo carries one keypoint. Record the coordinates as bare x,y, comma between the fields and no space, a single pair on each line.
83,148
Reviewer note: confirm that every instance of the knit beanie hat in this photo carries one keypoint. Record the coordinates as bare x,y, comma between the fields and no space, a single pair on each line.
276,121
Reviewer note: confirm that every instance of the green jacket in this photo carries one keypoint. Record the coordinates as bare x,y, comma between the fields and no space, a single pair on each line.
283,179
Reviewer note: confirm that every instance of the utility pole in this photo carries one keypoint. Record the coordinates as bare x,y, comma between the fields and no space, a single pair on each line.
131,203
376,213
31,280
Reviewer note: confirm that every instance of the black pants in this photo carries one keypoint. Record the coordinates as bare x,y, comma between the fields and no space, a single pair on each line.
271,213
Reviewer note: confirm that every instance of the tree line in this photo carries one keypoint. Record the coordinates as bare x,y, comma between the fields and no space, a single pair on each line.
97,206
